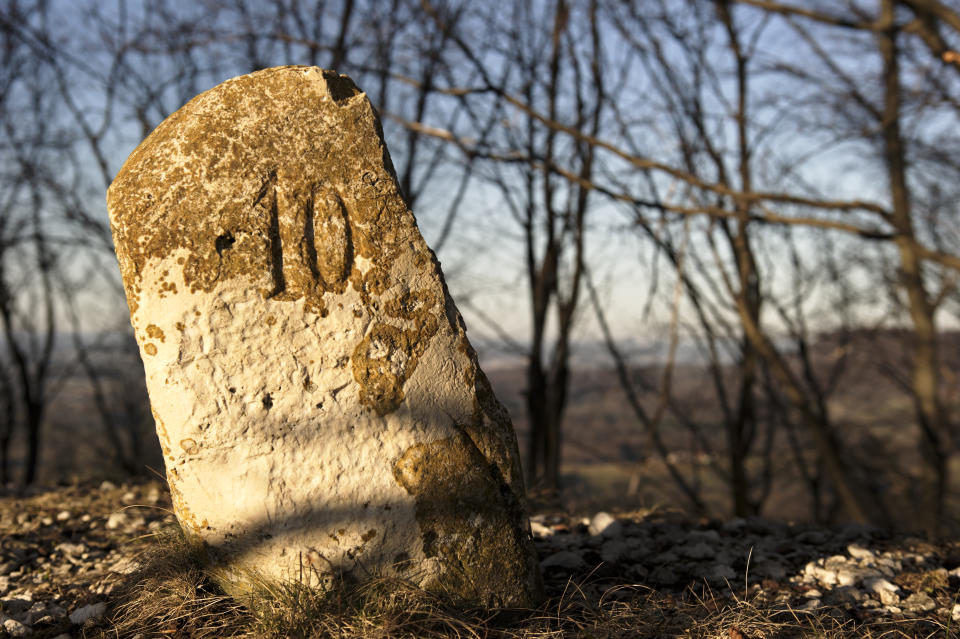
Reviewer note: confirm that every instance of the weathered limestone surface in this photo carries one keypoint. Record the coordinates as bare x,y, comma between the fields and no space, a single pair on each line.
320,409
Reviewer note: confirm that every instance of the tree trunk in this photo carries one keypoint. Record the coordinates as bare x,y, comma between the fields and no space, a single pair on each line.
930,414
7,424
535,401
34,423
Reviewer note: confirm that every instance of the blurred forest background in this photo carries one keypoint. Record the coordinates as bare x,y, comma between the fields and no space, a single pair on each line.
708,249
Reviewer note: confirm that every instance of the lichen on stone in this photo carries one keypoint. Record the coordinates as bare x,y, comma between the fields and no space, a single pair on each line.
267,204
471,521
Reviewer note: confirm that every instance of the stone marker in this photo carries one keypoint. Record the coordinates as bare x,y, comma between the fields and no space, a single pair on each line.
320,409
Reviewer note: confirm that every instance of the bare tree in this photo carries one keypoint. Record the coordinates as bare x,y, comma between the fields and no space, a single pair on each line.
31,143
882,114
727,120
523,162
727,292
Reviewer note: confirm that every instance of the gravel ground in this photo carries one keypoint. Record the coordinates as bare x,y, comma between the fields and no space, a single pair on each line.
65,552
852,572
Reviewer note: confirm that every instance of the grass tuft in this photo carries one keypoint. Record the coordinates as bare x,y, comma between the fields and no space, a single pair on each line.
378,608
171,595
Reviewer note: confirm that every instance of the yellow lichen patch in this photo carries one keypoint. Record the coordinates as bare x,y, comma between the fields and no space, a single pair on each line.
490,427
271,320
277,216
332,246
150,349
188,521
411,305
181,327
161,432
381,387
386,358
155,332
470,522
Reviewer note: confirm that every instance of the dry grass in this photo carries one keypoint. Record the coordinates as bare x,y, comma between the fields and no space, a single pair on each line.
172,596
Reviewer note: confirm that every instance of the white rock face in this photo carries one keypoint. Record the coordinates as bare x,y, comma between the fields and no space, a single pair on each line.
320,409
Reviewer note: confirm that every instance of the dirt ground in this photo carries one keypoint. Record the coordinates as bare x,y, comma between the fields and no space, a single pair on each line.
68,555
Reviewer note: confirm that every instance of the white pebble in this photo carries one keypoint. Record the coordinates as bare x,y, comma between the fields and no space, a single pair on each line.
93,611
15,629
876,584
116,520
859,552
920,601
603,523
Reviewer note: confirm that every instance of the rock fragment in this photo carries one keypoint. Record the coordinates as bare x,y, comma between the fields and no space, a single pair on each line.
859,552
116,520
566,559
604,523
919,602
93,611
15,629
